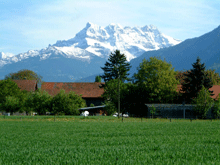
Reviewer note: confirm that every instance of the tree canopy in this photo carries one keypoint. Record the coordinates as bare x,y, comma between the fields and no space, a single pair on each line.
25,74
215,77
67,103
158,78
98,79
116,67
203,103
8,88
194,80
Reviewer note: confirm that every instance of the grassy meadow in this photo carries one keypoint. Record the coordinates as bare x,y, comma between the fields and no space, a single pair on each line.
108,140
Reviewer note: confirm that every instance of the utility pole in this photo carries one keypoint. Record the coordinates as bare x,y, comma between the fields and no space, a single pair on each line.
118,94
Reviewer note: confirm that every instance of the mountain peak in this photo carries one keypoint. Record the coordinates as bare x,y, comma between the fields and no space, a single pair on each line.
149,28
91,25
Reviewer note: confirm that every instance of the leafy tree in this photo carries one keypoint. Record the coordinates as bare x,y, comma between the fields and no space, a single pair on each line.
67,104
216,108
24,99
92,105
215,77
116,67
110,108
11,104
98,79
157,78
39,101
203,103
8,88
195,79
111,92
25,74
153,111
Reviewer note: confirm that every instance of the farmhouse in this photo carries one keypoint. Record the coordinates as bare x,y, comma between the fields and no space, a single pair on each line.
90,92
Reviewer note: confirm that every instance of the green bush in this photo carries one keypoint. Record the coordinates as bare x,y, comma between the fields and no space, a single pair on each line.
153,111
69,104
38,101
203,103
11,104
216,109
110,108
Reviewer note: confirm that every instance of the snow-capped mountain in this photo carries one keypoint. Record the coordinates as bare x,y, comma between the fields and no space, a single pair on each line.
93,44
131,41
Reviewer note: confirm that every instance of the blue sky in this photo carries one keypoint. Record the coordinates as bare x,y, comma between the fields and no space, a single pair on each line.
31,25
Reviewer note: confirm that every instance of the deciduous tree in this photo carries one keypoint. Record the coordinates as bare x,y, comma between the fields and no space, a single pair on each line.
8,88
98,79
39,101
67,103
203,103
25,74
157,77
11,104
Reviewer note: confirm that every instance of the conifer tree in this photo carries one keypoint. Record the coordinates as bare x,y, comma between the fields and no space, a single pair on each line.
116,67
194,80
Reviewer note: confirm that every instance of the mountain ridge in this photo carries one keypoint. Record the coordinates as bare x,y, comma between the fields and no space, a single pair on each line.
92,45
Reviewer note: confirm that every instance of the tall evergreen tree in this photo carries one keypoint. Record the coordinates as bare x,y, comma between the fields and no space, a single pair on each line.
116,67
194,80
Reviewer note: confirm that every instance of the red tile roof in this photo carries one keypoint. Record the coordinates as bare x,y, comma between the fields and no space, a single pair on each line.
216,91
28,85
87,90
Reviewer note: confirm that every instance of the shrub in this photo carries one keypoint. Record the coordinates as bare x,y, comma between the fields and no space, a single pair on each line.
216,108
110,108
69,104
11,104
38,101
203,103
153,111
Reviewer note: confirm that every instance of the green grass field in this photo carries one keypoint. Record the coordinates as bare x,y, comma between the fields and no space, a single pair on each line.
108,140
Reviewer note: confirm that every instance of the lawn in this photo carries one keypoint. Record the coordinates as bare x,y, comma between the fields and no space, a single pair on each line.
108,140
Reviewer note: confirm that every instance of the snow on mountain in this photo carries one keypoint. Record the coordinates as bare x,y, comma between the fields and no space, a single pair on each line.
83,55
100,41
131,41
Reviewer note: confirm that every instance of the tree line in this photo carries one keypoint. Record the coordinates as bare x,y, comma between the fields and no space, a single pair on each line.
12,99
156,82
